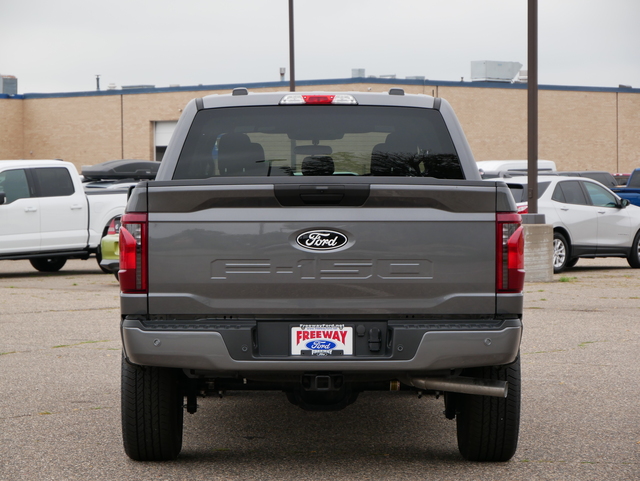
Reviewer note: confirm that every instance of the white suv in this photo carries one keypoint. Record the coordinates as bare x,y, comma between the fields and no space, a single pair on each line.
588,219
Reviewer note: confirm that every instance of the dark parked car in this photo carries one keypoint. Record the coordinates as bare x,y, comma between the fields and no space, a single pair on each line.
621,179
605,178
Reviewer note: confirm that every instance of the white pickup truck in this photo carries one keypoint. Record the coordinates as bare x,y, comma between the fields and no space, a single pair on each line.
46,216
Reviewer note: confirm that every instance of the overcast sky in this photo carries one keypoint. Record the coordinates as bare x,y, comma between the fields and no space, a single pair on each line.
60,45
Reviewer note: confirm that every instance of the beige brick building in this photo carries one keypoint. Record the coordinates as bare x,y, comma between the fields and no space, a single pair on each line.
579,128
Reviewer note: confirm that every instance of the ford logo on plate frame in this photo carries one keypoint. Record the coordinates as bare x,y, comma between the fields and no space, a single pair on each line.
320,345
321,240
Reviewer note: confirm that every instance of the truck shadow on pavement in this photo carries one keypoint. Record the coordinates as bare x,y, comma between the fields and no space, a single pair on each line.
251,428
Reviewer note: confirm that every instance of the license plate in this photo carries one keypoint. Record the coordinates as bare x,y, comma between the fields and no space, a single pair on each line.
322,340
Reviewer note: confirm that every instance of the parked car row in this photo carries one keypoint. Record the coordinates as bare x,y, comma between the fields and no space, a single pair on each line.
50,213
590,213
47,216
588,219
492,169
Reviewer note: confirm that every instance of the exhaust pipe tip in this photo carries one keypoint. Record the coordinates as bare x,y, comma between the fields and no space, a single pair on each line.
463,385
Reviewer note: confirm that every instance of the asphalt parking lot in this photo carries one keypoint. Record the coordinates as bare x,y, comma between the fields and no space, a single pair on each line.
60,395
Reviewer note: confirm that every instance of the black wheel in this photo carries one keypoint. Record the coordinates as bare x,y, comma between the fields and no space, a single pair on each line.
634,255
560,252
48,264
572,262
152,412
488,426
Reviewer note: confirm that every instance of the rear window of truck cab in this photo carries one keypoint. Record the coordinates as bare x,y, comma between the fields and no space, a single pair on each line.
318,140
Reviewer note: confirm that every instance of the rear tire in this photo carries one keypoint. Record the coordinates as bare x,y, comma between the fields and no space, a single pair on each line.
634,255
48,264
561,251
152,412
487,426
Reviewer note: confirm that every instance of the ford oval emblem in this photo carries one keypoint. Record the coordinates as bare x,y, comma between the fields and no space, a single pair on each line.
320,345
321,240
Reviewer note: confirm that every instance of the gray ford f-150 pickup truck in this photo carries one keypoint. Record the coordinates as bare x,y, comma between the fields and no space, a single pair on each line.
321,244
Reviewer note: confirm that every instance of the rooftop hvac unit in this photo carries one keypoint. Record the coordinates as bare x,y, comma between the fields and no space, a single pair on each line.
522,77
493,71
357,72
8,85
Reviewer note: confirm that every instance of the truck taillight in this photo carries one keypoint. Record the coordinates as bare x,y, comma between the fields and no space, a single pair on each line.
509,253
133,254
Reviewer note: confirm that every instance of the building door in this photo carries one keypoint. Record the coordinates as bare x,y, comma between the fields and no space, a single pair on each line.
162,134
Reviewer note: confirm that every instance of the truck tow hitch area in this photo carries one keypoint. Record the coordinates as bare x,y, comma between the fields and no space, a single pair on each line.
322,392
322,382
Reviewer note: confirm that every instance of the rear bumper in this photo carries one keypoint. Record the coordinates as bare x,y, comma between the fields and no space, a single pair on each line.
209,351
111,265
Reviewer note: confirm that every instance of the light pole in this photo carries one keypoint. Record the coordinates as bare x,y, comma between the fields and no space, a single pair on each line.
532,107
292,63
539,248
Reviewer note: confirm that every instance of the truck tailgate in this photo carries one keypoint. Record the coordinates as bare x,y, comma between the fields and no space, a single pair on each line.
258,249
